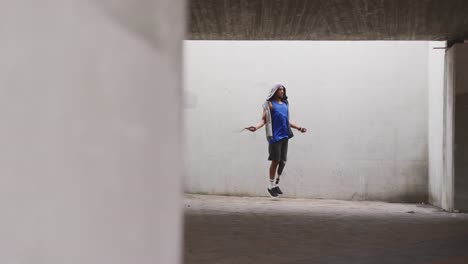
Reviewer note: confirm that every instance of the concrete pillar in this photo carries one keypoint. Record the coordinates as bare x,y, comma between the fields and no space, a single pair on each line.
447,180
435,81
460,88
89,132
455,187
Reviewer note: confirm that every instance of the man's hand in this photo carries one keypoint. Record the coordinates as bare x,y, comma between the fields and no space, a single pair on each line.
302,129
251,128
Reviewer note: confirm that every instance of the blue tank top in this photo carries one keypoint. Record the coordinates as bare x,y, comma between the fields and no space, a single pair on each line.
279,121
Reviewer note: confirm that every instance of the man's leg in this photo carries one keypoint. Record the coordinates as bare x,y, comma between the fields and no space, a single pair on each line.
273,166
271,181
280,170
282,164
275,156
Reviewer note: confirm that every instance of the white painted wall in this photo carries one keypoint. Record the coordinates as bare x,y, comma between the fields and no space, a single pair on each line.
89,132
435,75
365,105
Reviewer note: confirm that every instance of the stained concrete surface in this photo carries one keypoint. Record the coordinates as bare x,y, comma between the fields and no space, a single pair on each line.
328,19
261,230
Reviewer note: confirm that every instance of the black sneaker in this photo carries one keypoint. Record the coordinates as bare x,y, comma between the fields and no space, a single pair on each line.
278,190
272,192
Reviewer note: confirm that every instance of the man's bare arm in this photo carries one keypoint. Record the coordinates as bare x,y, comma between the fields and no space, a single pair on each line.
302,129
259,124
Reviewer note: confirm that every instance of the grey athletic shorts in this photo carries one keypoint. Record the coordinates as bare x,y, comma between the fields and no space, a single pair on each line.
279,150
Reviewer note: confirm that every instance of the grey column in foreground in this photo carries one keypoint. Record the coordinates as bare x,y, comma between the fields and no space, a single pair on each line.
90,128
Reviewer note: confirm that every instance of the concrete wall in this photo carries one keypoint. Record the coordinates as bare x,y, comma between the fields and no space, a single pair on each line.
435,64
461,127
89,103
365,105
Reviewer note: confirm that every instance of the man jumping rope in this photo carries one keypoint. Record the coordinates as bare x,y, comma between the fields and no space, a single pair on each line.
278,131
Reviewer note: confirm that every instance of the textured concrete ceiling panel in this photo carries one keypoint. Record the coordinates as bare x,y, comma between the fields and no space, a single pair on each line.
328,19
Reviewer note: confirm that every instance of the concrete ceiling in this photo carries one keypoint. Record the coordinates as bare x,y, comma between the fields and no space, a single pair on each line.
328,19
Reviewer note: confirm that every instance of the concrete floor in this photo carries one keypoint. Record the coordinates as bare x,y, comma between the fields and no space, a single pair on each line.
238,230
